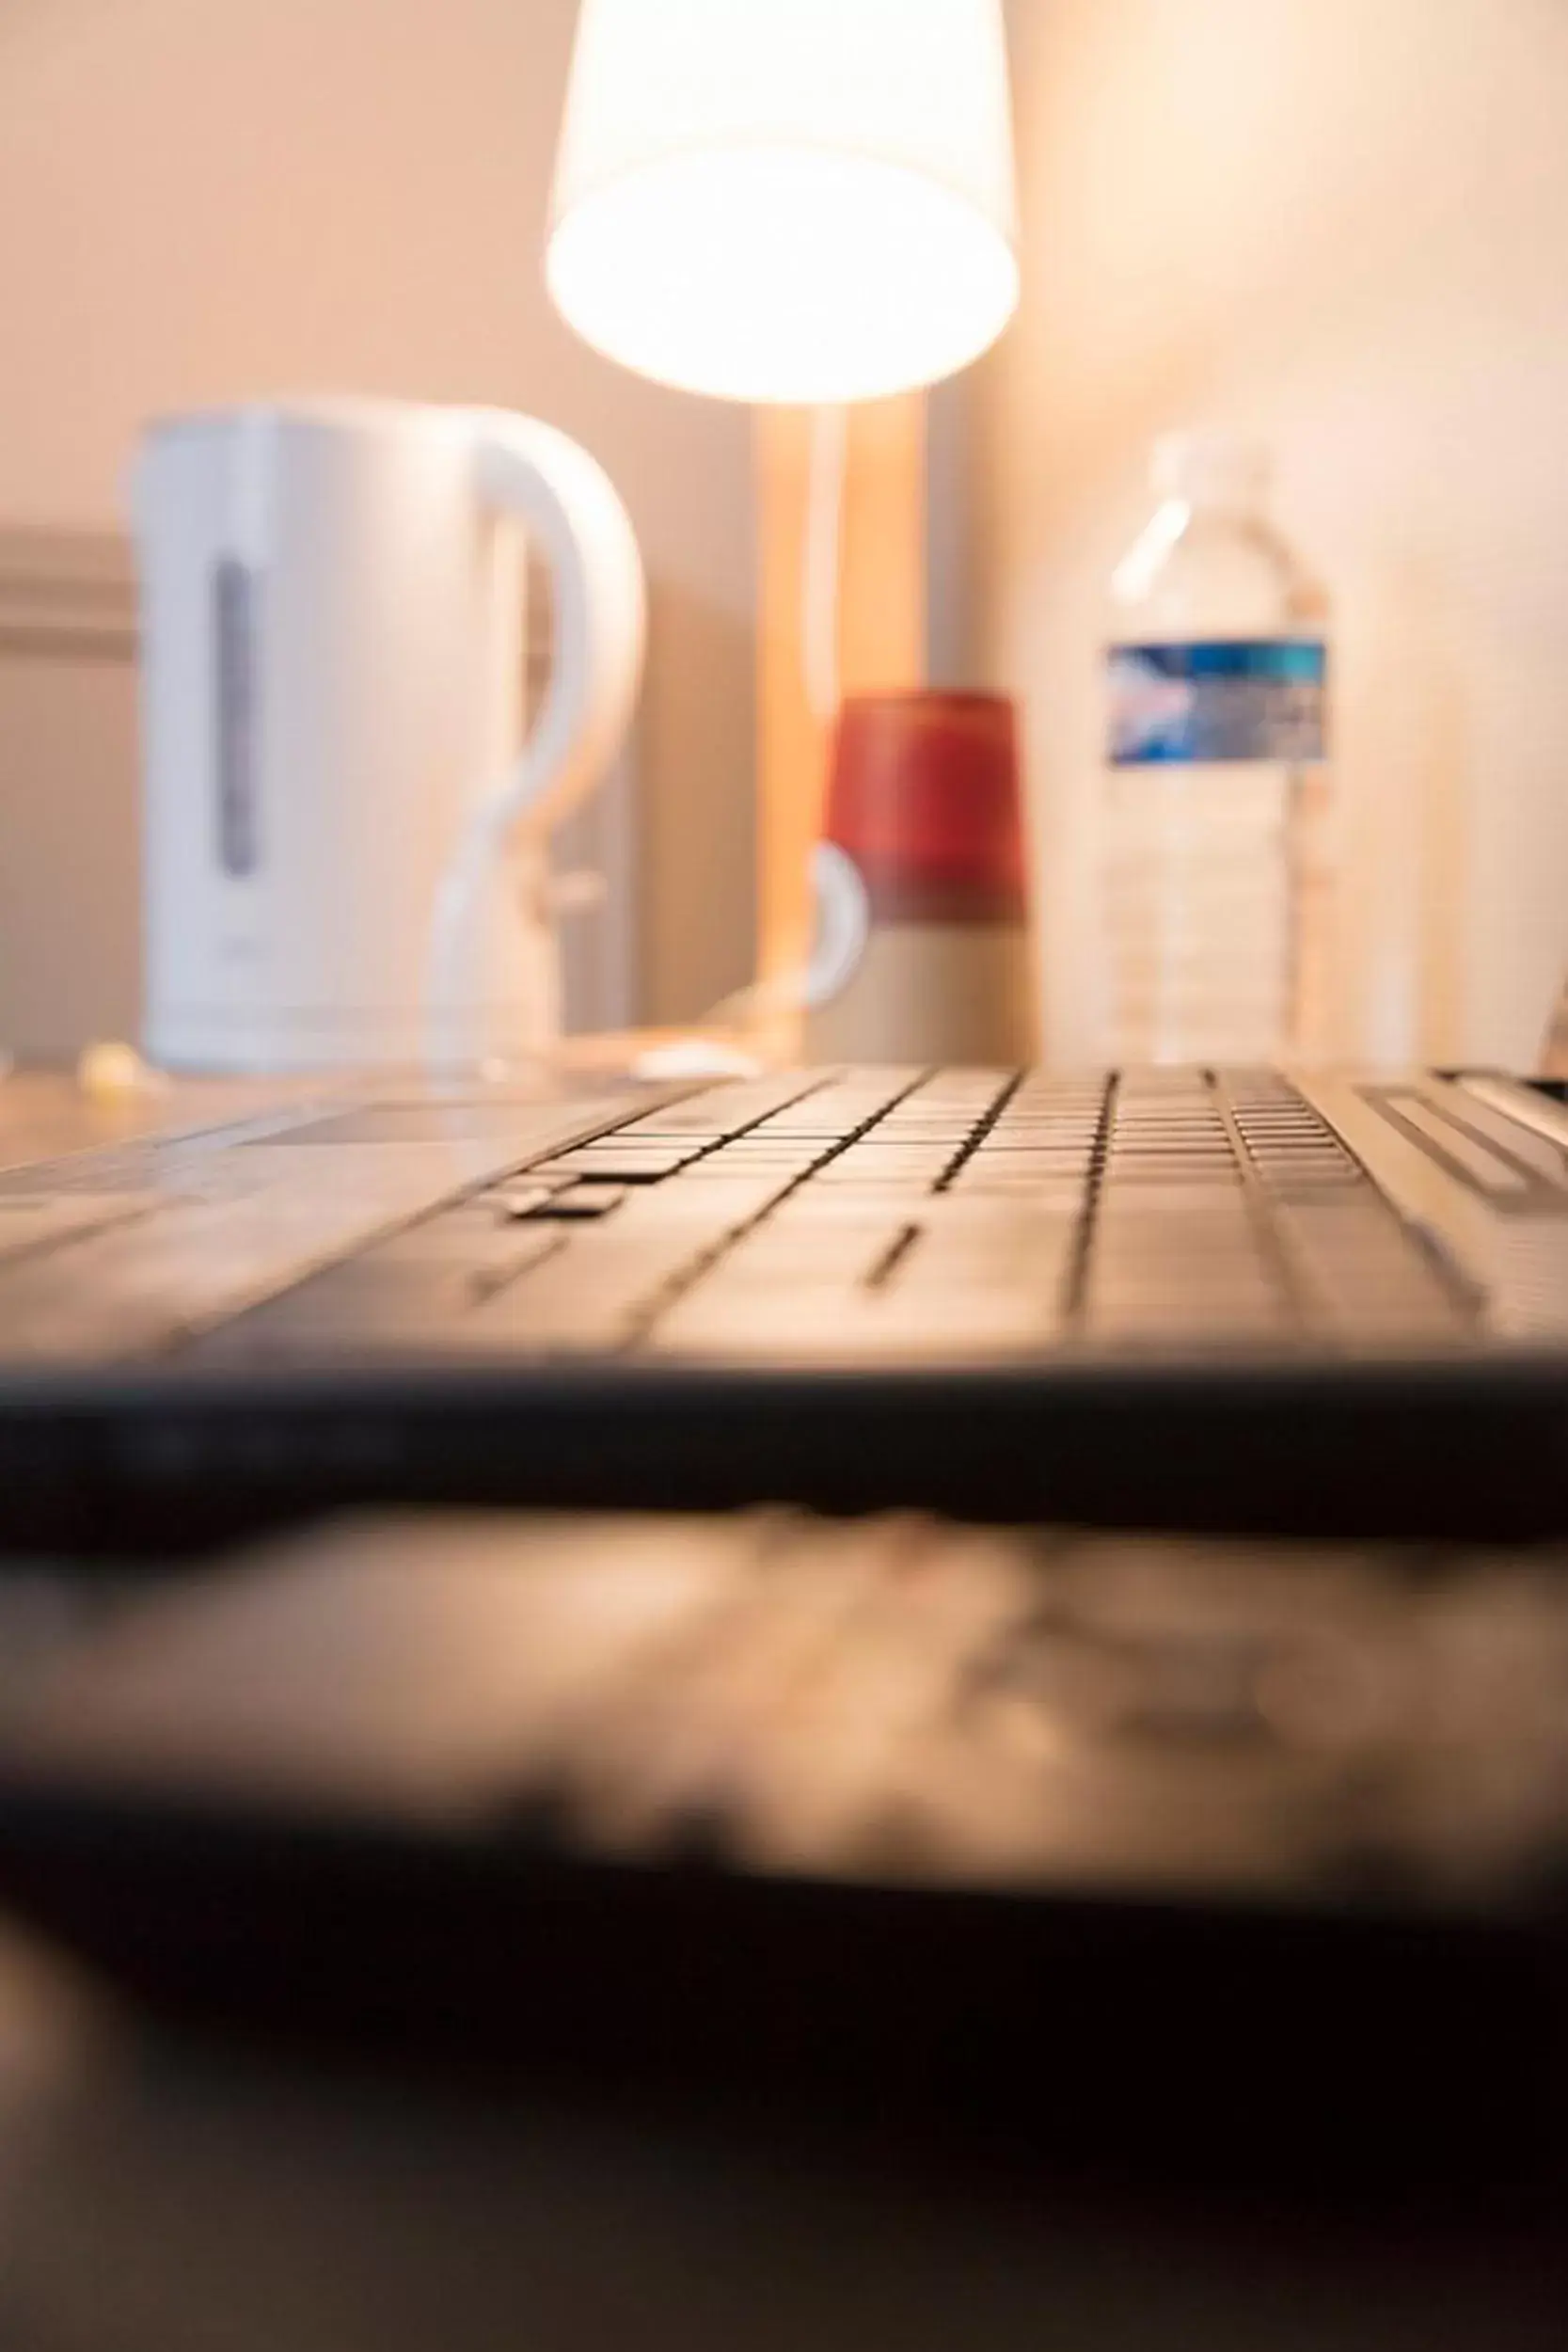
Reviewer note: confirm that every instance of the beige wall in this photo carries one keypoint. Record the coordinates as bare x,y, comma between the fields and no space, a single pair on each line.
206,198
1345,223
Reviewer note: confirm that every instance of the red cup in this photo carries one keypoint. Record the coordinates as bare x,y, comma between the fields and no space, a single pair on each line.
924,796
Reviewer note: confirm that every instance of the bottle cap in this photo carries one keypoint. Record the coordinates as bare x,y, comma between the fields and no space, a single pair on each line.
1210,468
924,796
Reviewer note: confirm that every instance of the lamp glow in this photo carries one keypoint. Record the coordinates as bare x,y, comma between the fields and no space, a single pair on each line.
803,201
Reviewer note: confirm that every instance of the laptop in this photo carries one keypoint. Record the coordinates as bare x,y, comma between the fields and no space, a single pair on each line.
1223,1298
1233,1851
1137,1841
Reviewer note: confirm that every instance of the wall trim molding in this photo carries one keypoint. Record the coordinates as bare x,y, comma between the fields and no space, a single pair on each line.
67,595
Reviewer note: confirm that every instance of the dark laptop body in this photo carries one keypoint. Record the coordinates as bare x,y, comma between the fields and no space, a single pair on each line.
1235,1855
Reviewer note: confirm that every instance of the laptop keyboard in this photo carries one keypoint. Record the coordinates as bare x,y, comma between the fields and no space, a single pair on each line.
880,1215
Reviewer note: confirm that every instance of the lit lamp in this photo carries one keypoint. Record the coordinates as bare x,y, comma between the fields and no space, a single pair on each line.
787,200
805,201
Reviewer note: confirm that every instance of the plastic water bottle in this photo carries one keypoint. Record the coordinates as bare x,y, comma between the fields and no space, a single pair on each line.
1213,779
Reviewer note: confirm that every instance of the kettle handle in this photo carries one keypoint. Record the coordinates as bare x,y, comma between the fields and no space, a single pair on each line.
570,509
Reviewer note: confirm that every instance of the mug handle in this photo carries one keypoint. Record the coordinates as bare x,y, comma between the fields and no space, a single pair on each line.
843,922
571,510
840,926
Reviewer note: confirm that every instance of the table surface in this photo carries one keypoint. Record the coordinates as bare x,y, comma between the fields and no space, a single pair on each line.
163,2196
167,2194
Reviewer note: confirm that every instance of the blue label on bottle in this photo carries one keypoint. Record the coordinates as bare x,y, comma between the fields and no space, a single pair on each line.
1252,698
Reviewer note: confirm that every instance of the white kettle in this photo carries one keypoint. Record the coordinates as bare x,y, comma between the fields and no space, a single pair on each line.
344,860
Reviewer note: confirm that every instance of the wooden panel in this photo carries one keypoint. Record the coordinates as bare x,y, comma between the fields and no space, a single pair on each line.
882,604
70,943
881,631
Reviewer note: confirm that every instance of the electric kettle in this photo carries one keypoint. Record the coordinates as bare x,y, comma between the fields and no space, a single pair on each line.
344,850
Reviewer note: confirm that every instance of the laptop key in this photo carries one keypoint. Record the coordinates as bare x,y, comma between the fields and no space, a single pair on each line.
576,1203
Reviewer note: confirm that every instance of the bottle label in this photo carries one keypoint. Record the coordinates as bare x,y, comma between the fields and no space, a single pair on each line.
1244,698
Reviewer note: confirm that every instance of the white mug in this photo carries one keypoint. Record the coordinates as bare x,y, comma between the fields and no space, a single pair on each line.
344,855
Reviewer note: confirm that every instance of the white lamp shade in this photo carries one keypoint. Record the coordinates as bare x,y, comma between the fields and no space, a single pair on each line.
787,200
